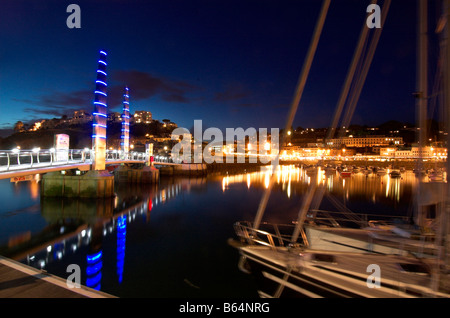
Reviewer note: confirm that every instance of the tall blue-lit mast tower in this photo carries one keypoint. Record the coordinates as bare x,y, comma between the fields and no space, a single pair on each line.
125,140
100,115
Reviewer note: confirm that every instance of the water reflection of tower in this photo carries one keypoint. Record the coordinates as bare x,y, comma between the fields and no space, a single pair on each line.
121,237
94,258
149,209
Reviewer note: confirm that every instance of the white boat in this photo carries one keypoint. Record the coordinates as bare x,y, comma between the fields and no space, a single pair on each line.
295,272
327,261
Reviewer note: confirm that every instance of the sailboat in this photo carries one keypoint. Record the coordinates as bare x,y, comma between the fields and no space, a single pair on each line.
318,257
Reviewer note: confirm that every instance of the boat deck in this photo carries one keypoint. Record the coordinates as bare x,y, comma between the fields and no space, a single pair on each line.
377,241
343,272
21,281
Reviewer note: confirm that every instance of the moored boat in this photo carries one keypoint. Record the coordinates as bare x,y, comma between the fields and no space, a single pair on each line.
300,269
345,173
436,175
395,174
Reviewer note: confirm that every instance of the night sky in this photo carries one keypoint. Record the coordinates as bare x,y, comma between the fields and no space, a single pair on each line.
230,63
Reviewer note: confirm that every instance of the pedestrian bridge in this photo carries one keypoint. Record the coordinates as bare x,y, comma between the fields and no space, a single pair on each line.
22,163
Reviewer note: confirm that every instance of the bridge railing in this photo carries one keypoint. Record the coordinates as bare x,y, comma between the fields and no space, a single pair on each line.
119,155
22,159
18,158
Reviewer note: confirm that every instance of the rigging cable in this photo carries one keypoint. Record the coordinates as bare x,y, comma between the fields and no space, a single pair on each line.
366,65
294,106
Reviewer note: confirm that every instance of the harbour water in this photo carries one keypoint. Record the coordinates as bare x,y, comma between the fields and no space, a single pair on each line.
170,240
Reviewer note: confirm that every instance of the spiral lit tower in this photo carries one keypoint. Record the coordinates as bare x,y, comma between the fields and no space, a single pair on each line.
100,115
125,141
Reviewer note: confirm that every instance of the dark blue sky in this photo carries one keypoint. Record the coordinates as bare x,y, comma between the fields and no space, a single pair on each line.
230,63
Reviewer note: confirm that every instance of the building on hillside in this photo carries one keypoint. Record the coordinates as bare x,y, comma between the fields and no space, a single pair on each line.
142,116
81,117
114,117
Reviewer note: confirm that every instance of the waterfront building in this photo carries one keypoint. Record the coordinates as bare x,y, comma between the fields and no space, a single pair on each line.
414,152
367,141
298,153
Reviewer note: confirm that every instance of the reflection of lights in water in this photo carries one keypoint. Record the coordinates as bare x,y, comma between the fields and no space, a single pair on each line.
357,184
91,259
397,190
289,187
387,185
34,189
50,253
371,185
116,201
224,183
330,183
93,270
285,175
121,236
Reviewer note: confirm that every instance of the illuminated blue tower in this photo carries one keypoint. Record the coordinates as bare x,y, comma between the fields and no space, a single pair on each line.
125,143
100,115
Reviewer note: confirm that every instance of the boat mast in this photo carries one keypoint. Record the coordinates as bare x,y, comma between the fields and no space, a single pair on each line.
294,106
443,236
354,98
421,98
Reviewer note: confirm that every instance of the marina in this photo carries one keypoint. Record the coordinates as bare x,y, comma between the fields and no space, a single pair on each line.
130,246
346,197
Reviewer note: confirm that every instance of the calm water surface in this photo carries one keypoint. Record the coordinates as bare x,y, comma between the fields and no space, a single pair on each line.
170,239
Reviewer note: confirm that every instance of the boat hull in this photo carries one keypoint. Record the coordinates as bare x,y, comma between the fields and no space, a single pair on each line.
318,274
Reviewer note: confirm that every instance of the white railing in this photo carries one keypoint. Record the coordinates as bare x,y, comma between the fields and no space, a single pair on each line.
17,159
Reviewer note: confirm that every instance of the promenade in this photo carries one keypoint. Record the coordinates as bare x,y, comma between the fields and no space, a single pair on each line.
21,281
